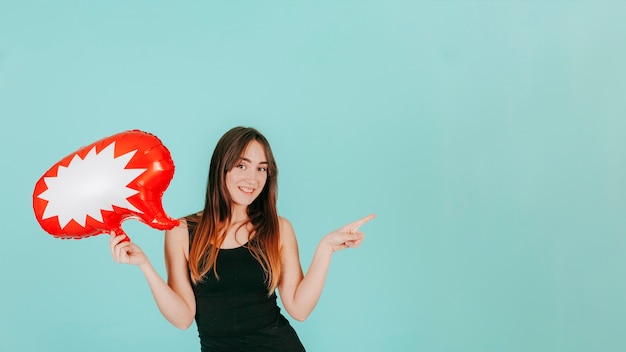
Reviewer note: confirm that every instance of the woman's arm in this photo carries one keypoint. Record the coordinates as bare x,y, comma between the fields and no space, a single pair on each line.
300,293
175,298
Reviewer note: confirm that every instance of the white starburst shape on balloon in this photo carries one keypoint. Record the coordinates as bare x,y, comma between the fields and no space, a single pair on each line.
87,186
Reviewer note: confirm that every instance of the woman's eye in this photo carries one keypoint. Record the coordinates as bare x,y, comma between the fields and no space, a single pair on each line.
240,166
263,169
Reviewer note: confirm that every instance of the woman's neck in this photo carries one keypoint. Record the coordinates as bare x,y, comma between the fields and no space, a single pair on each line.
239,213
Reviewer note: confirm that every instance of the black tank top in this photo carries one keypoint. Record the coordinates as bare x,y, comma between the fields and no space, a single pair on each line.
237,303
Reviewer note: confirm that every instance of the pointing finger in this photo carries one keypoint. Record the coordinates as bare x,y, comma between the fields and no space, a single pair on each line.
355,225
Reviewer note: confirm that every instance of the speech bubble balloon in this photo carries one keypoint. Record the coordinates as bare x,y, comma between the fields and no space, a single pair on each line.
94,189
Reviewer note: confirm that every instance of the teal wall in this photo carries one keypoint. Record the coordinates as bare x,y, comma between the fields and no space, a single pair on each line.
489,137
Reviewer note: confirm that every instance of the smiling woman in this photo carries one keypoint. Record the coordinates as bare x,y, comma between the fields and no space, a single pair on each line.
225,263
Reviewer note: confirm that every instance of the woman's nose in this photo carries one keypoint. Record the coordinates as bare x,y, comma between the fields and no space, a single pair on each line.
249,174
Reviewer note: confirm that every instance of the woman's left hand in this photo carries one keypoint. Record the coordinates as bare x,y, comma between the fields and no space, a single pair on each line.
347,236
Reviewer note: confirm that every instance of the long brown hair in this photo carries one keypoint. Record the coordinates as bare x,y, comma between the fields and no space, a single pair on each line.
214,221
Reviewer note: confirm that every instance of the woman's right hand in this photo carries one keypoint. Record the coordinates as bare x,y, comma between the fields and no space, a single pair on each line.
126,252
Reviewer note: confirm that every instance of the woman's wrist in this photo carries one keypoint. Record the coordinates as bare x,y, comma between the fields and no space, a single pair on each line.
325,246
145,266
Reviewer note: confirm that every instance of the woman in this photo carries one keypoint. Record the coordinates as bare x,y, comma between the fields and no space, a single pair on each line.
225,263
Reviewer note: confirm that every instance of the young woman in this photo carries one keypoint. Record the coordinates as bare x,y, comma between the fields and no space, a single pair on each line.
225,263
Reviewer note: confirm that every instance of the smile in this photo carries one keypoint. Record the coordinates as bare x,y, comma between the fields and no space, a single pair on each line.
246,189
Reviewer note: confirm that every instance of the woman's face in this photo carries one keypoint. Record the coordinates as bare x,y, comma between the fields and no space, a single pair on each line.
246,180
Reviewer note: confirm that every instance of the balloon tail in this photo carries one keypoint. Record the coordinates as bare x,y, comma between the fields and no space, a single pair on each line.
118,231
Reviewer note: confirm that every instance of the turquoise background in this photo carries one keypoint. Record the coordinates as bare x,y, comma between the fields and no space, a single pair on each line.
489,137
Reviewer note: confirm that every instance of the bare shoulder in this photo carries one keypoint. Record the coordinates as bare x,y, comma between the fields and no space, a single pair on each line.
178,237
285,226
178,230
284,222
287,235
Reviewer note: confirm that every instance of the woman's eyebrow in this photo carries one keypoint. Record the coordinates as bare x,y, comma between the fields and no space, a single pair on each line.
250,161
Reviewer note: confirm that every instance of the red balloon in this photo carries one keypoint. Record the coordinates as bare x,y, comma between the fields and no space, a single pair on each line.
93,190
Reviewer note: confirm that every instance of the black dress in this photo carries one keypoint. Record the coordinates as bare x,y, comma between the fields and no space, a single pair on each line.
235,313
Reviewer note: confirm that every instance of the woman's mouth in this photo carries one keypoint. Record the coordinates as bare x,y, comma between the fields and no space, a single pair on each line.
246,189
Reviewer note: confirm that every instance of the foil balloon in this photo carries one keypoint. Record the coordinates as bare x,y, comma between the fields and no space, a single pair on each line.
93,190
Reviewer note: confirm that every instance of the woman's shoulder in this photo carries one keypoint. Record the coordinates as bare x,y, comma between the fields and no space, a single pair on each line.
178,230
184,225
188,221
284,223
177,238
287,235
192,219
